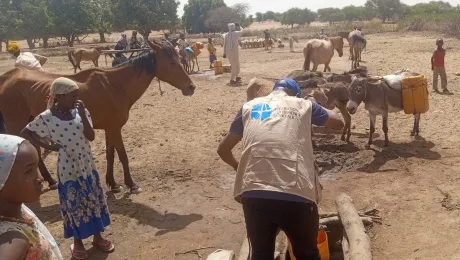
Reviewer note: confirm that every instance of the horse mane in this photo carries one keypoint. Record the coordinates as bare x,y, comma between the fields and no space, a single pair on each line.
144,61
147,60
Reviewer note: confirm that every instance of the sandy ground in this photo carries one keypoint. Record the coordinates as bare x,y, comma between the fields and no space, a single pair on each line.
187,200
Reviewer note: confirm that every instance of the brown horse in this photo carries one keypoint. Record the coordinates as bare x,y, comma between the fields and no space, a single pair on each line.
108,94
321,52
77,55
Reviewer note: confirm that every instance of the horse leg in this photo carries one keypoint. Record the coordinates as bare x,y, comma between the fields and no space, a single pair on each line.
315,67
347,118
197,65
121,151
385,128
110,155
372,119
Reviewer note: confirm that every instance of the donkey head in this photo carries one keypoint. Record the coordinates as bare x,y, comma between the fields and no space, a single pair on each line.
357,94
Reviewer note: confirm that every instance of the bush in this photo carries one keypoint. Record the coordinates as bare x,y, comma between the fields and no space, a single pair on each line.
448,23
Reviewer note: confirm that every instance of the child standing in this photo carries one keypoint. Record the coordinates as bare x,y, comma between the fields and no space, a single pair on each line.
437,66
82,203
212,52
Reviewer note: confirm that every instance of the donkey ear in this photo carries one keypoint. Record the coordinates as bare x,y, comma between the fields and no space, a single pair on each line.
154,46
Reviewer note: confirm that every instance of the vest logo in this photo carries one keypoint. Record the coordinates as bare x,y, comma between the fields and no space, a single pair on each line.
261,111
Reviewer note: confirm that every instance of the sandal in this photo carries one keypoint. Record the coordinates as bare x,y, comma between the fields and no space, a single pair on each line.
78,254
106,246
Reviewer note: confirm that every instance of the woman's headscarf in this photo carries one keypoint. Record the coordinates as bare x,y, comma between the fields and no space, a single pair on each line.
60,86
9,146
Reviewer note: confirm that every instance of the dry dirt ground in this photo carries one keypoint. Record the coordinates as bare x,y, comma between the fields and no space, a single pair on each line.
187,200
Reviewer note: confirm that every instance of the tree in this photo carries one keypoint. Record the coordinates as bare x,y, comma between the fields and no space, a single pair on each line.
331,15
298,16
250,19
434,7
7,22
33,21
269,15
71,18
145,15
196,12
104,21
259,17
386,9
218,19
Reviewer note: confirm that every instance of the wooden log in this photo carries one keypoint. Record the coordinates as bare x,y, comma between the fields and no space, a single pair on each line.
245,250
336,220
345,247
360,246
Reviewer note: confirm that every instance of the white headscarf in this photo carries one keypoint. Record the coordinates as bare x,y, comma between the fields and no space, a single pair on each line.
231,29
60,86
9,146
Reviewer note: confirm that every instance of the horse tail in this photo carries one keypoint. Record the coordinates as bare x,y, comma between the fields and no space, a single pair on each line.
2,124
71,58
307,54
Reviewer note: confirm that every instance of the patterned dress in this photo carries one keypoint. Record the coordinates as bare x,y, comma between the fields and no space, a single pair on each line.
82,202
42,245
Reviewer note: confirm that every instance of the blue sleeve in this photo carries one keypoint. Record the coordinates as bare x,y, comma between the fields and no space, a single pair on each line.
236,127
319,115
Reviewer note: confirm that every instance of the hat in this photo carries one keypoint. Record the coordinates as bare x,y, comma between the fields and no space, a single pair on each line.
13,47
288,83
9,146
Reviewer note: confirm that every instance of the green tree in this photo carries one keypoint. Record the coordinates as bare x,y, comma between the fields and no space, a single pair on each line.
385,9
8,22
298,16
71,18
104,22
433,7
331,15
250,19
353,13
145,15
259,17
218,19
33,21
269,15
196,12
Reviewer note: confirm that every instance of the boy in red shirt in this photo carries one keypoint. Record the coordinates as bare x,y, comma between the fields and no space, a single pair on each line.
437,66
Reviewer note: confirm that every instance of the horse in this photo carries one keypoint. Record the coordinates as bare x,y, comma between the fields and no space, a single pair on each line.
357,43
77,55
321,52
108,94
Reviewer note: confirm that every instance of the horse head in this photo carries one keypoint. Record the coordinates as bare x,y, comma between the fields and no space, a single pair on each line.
169,68
337,42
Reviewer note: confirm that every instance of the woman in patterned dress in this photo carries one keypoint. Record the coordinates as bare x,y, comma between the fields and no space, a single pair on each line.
83,206
22,234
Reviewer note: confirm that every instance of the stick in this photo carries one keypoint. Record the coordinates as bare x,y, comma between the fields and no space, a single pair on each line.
195,251
336,220
360,246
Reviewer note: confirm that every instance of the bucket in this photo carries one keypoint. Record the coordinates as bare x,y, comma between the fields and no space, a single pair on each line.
323,246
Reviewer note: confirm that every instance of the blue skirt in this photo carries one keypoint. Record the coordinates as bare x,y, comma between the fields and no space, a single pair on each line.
212,58
83,207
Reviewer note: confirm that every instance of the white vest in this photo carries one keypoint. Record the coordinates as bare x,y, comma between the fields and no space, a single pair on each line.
277,148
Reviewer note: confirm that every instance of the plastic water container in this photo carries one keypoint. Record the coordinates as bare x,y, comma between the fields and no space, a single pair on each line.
323,246
415,94
217,63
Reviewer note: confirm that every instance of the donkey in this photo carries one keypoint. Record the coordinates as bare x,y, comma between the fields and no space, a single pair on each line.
337,96
379,99
321,52
357,43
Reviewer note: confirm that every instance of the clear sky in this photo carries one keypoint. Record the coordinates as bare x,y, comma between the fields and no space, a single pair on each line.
283,5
